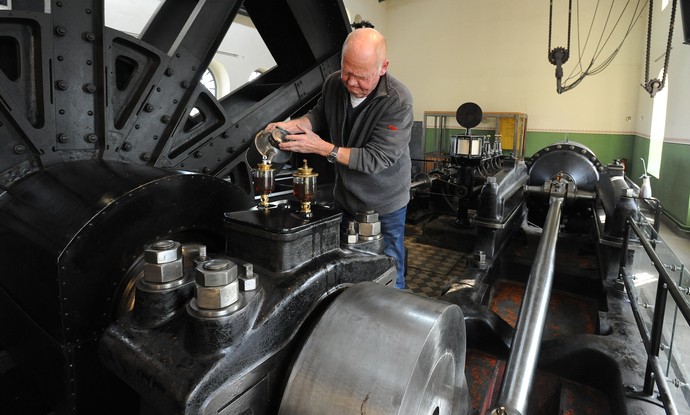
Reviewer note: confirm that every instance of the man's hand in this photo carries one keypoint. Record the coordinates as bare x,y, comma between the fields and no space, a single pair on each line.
306,142
294,126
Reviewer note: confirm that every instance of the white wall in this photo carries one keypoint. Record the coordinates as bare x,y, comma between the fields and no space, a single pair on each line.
494,53
677,83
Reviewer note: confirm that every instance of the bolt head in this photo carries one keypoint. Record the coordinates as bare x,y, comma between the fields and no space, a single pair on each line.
370,216
215,273
163,251
248,283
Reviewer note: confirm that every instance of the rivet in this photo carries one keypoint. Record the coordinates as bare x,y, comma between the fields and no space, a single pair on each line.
158,89
169,72
231,150
60,58
184,84
145,156
62,112
226,134
19,149
136,126
206,170
88,62
165,119
59,4
89,113
198,154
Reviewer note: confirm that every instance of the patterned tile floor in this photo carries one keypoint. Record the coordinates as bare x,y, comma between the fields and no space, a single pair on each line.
430,268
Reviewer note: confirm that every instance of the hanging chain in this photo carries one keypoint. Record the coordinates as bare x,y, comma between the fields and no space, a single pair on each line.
559,55
652,86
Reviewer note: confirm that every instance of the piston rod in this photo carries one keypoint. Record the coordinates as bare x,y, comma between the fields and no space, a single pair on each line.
522,362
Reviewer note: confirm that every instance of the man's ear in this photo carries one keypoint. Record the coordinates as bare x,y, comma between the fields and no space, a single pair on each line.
384,68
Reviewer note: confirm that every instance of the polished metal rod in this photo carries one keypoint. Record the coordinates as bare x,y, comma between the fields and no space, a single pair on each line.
524,352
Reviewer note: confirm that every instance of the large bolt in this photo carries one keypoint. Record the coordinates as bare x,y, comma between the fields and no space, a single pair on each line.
89,36
216,272
169,72
61,85
91,138
60,30
148,107
90,88
127,146
216,284
19,149
62,138
163,262
166,119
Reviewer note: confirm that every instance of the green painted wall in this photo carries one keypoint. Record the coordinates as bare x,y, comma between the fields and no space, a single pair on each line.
672,187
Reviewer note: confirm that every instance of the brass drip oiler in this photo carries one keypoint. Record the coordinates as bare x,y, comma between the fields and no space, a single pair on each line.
264,181
304,187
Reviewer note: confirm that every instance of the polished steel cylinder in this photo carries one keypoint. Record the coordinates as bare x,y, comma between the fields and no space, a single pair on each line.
524,353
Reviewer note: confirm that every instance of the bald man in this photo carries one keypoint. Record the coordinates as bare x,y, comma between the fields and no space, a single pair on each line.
368,116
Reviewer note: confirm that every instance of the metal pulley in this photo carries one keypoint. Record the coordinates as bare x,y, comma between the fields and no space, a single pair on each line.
379,350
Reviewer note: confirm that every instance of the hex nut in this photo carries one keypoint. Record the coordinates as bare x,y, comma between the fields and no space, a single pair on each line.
162,251
163,273
249,283
349,238
216,273
369,228
215,298
369,216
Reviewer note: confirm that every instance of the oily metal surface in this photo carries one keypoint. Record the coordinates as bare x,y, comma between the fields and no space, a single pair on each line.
378,350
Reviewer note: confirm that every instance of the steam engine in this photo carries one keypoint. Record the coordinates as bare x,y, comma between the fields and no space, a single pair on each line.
146,270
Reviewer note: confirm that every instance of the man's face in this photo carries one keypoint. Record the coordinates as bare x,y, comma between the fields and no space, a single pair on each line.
360,75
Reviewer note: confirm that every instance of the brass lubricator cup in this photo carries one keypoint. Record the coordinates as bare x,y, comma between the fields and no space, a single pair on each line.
264,181
304,187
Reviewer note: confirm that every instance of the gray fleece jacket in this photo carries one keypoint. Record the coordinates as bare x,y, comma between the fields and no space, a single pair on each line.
378,175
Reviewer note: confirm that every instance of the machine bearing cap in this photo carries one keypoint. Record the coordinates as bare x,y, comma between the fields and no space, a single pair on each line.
216,273
367,217
163,251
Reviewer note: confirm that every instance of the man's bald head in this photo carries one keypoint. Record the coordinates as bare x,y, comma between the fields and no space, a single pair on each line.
367,43
364,61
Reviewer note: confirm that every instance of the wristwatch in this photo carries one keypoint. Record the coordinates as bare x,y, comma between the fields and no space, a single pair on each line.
332,157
